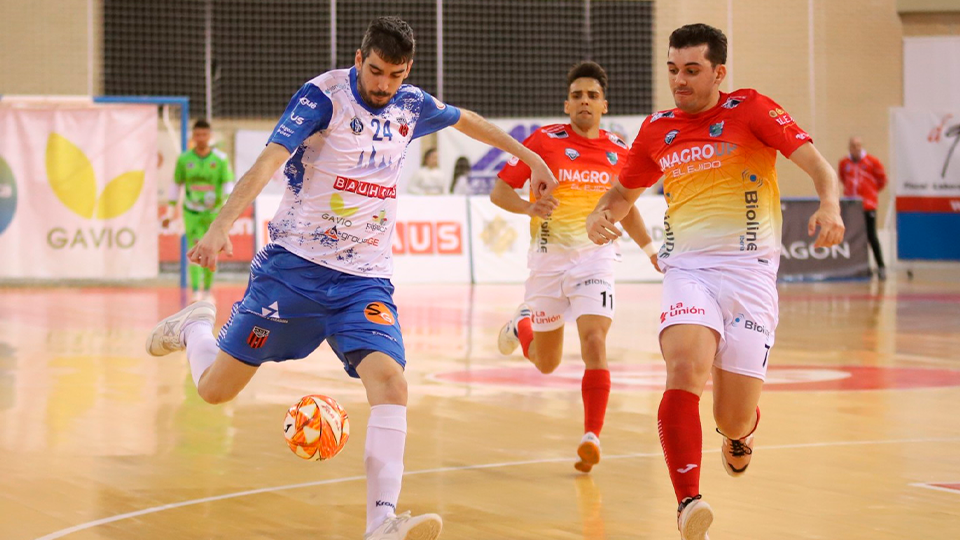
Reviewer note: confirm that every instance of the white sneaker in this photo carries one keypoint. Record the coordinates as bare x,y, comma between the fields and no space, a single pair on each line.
167,337
694,518
197,296
404,527
589,452
508,341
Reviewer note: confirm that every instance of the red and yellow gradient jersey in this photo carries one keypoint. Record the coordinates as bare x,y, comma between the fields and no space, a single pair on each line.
720,179
586,169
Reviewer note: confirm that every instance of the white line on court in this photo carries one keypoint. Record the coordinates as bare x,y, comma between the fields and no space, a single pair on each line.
929,485
91,524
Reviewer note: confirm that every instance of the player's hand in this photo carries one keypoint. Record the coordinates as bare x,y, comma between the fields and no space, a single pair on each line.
655,261
830,223
209,247
543,207
601,229
542,181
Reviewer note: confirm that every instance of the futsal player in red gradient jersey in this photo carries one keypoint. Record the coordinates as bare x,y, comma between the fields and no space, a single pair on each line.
717,154
571,278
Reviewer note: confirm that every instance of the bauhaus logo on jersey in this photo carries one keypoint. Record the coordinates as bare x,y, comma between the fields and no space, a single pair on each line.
366,189
428,238
73,181
584,177
698,157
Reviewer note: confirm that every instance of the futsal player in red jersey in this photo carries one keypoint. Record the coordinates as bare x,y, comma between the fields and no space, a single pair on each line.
571,278
717,154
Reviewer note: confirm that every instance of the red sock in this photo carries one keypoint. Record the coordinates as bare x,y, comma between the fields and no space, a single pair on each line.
595,388
525,333
682,440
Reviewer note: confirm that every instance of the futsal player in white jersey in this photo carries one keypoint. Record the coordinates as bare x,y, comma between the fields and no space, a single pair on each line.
325,275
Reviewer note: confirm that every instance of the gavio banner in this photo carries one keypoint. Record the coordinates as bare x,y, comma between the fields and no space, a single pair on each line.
77,192
799,260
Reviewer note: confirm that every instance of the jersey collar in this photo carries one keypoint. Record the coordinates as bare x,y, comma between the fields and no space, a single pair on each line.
358,99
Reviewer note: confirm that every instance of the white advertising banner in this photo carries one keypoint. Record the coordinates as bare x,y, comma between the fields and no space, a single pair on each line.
430,239
926,158
500,242
249,143
486,161
78,196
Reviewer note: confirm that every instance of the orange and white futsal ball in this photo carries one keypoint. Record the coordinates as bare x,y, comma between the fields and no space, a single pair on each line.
316,428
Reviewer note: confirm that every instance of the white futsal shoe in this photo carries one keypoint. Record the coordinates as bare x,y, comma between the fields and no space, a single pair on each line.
588,452
167,337
405,527
694,517
508,341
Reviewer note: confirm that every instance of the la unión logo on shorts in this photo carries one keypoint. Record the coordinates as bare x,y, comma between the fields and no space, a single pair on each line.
71,176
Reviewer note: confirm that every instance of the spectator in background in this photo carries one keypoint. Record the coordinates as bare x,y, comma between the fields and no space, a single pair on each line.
461,177
428,180
863,176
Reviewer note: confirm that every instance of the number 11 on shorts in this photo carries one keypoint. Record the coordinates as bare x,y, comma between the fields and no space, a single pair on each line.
604,295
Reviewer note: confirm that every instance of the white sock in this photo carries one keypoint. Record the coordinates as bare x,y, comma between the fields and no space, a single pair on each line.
383,460
201,347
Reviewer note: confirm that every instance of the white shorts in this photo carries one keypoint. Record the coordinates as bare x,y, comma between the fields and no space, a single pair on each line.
584,288
741,305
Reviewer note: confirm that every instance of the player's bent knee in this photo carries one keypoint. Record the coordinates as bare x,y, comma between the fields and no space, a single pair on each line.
549,366
214,395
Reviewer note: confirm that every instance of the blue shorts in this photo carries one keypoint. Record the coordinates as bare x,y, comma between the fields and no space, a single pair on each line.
292,305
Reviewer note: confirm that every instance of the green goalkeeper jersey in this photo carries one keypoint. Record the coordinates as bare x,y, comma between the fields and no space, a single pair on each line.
204,178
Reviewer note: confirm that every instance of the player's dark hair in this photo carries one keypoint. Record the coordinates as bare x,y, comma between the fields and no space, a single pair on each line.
588,69
694,35
391,37
201,124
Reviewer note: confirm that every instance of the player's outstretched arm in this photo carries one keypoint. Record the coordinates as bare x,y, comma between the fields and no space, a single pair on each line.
507,198
611,208
827,217
477,127
637,230
250,185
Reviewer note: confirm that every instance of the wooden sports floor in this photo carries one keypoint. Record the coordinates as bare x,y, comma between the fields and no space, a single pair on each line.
860,437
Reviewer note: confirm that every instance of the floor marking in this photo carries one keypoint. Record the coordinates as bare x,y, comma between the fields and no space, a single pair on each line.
91,524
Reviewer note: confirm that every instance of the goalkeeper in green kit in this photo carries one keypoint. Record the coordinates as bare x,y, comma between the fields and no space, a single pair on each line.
204,171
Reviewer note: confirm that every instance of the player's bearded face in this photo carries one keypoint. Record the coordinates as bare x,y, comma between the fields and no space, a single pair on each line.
378,80
585,103
694,80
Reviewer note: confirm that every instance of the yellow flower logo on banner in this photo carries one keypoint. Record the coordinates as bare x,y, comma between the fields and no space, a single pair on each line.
72,178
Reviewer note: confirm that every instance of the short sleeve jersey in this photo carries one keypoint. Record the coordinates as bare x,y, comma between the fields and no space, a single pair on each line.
720,179
204,179
586,169
340,204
